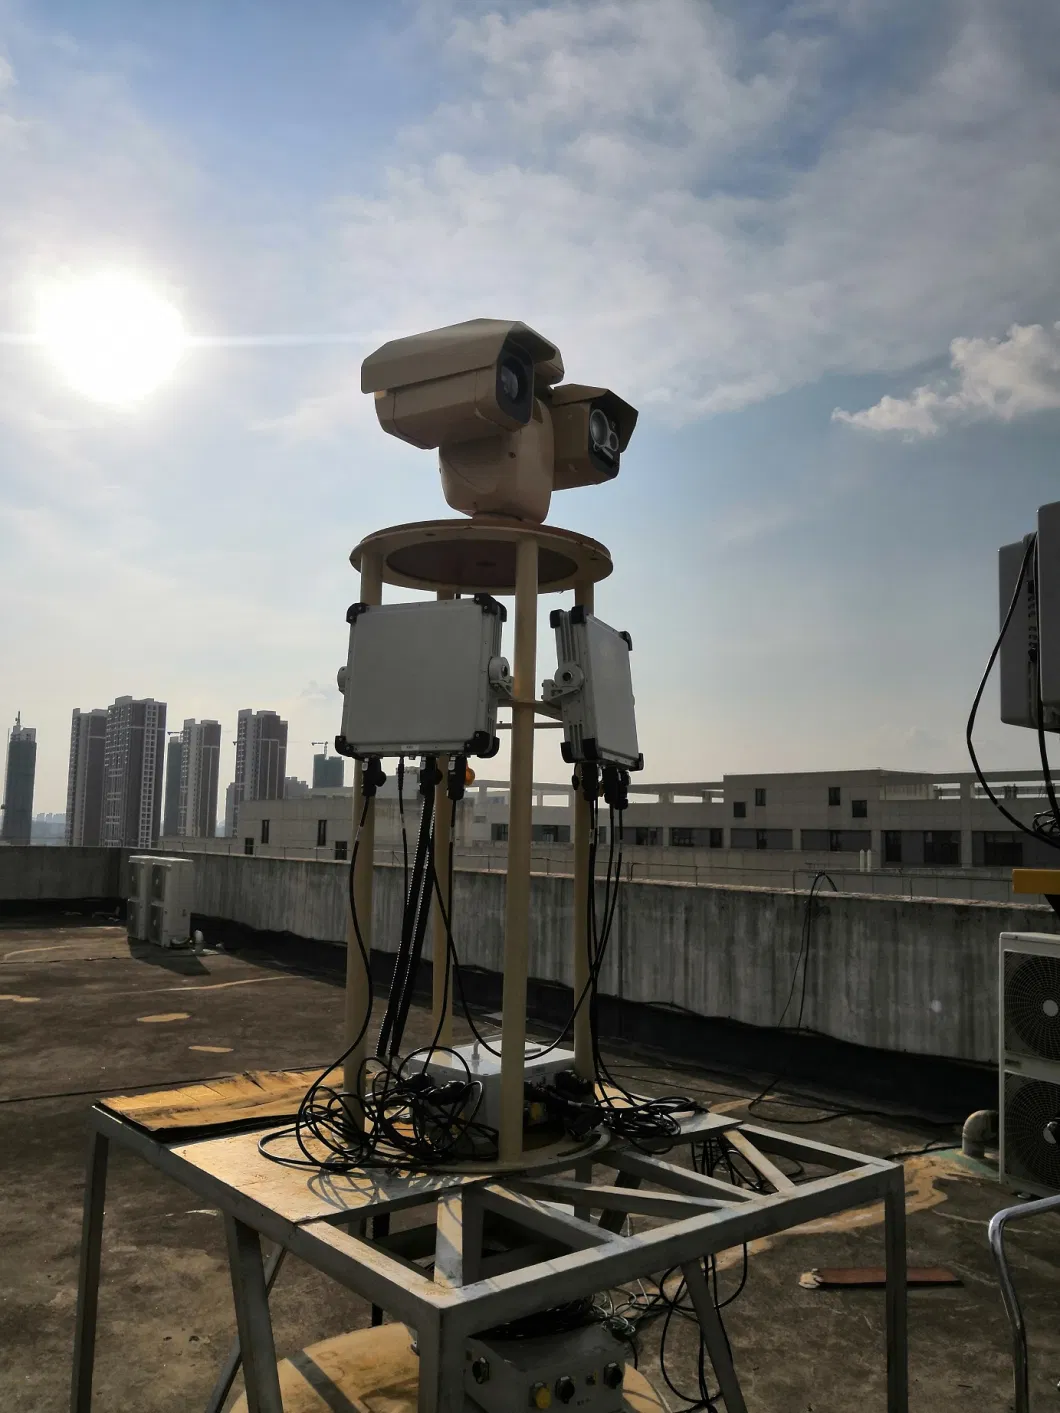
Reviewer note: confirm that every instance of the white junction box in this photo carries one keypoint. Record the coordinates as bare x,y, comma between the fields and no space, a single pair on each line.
582,1368
593,688
485,1066
423,678
1029,1046
171,899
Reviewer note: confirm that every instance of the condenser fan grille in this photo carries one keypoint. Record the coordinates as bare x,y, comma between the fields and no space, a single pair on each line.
1031,1105
1032,1004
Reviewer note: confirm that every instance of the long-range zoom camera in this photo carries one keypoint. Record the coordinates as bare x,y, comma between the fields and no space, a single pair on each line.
489,395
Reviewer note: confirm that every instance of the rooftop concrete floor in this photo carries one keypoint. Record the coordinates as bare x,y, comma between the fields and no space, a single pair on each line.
83,1013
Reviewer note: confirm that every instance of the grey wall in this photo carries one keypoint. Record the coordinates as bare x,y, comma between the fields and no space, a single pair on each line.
42,874
916,975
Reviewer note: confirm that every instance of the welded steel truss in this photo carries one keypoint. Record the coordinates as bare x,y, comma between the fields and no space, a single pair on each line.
490,1248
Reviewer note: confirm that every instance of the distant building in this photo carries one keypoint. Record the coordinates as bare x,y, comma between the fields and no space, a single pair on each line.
228,829
132,772
84,781
16,826
295,789
48,829
261,758
171,812
328,772
200,762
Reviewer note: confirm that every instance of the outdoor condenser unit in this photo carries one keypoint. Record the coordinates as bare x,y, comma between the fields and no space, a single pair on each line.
170,900
137,891
1029,1047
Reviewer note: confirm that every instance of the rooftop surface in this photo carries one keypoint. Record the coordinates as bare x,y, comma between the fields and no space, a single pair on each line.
84,1013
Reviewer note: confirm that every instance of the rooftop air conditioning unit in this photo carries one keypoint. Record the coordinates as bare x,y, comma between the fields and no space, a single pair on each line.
137,890
171,897
1029,1047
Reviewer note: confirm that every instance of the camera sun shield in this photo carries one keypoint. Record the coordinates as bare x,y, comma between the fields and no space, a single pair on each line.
459,383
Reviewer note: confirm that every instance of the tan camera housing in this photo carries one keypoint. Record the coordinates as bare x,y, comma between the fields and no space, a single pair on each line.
484,393
508,475
446,385
576,464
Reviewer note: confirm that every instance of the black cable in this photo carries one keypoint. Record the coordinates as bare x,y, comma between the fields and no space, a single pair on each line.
397,1113
392,1026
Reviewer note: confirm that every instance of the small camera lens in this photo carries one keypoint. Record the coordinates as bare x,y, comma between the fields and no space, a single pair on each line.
511,380
602,434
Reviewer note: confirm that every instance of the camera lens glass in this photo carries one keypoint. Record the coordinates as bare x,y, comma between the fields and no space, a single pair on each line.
511,380
603,435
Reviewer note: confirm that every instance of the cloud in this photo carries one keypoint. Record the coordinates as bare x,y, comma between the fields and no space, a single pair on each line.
704,214
994,379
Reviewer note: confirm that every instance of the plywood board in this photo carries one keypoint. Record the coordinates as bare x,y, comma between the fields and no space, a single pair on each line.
254,1096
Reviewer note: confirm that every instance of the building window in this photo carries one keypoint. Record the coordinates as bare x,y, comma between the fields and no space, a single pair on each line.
760,838
836,841
340,849
550,833
833,794
264,831
248,846
942,848
892,846
499,833
686,837
760,797
1000,849
645,836
739,809
322,833
859,809
717,839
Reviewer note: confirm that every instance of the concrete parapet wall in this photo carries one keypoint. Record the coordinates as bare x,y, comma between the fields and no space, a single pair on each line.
910,975
55,874
913,975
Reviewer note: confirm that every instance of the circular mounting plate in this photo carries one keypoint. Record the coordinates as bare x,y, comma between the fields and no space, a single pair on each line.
478,556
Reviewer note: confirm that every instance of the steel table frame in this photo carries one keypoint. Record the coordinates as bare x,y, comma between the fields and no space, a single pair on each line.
573,1256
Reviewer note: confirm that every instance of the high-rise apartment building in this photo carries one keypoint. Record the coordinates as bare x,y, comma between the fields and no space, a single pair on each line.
328,772
200,761
132,772
230,811
16,825
171,808
84,781
261,758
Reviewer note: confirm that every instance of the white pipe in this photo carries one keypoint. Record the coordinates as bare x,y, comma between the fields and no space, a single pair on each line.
979,1129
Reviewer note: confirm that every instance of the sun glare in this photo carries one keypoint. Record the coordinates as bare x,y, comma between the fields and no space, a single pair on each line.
111,336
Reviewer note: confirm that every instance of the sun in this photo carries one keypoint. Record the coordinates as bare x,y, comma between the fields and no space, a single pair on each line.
113,338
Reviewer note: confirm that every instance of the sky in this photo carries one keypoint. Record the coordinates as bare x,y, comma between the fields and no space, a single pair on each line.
815,243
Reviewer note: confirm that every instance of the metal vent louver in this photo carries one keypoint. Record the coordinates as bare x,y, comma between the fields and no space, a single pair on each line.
1032,1005
1031,1105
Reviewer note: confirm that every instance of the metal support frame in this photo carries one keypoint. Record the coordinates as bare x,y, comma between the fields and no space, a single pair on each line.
520,833
253,1320
553,1256
585,595
358,984
1013,1309
234,1358
88,1273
